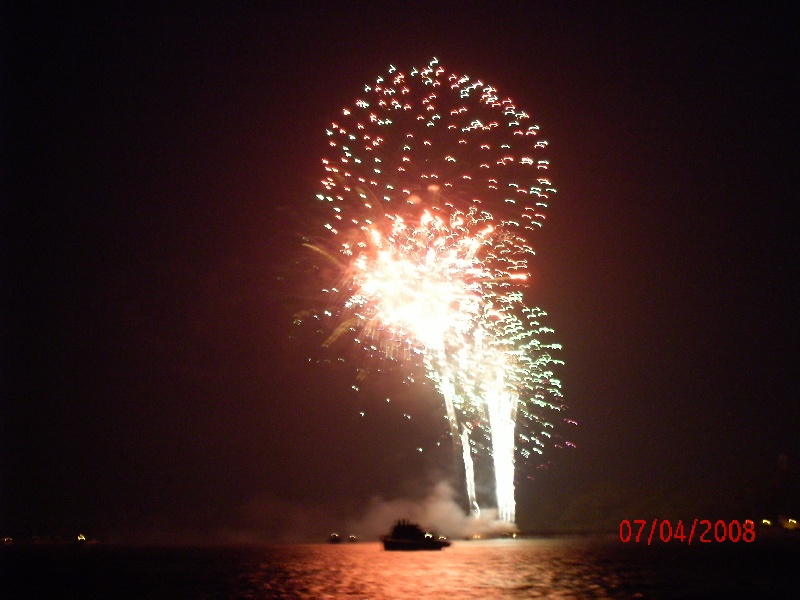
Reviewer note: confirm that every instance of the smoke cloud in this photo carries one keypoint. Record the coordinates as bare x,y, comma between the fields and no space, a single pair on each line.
437,511
266,519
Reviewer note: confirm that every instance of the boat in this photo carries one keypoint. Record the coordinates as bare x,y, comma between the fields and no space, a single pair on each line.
334,538
409,536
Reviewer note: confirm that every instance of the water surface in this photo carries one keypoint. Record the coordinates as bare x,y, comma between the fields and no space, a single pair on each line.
522,568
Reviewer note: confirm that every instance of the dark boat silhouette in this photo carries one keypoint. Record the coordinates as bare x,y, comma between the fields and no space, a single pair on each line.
408,536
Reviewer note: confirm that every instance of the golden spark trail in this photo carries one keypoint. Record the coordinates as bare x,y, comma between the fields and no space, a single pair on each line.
434,185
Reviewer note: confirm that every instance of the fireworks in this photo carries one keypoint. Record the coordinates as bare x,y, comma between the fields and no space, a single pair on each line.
434,184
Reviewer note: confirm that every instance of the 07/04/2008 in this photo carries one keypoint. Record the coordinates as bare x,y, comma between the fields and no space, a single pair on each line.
718,531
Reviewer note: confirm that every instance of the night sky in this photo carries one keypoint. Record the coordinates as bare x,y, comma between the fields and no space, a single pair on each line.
157,168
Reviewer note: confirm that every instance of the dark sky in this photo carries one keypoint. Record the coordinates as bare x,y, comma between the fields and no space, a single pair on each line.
157,165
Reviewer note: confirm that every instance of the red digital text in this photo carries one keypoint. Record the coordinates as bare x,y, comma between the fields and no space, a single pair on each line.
702,531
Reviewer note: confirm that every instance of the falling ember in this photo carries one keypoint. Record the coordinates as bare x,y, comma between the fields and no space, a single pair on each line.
434,184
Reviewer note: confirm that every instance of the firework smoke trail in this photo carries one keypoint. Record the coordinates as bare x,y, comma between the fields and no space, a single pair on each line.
433,185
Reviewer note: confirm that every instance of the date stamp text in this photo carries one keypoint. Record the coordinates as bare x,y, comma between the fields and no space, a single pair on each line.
640,531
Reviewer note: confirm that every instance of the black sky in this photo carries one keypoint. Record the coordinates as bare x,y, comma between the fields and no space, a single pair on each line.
157,166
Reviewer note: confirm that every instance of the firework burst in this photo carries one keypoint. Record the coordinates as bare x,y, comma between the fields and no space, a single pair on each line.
434,185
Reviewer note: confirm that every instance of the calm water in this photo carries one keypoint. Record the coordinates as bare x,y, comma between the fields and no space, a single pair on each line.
537,568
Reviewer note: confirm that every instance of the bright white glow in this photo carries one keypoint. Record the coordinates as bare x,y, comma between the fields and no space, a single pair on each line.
433,271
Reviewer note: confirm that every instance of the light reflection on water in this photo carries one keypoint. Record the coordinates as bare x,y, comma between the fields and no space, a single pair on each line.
522,568
474,569
543,568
